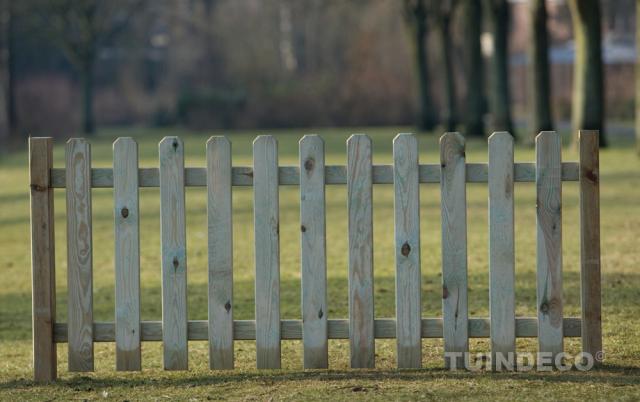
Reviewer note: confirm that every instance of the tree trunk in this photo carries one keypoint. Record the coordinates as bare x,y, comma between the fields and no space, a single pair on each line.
638,76
588,80
86,80
498,11
539,75
472,19
449,110
417,15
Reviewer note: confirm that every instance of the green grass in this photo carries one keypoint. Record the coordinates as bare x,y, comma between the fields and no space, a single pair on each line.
618,379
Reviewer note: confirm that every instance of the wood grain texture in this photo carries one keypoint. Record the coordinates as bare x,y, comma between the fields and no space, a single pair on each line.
174,254
79,255
407,245
313,253
549,242
590,244
334,175
267,251
220,253
360,211
43,271
127,254
385,328
501,250
454,248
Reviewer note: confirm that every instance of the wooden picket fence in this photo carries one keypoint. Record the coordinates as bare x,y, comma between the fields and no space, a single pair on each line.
362,327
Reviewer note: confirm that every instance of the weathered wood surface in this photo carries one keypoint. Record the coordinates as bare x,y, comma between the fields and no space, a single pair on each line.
220,253
454,249
313,252
360,211
385,328
290,175
407,250
267,252
549,243
43,272
79,255
501,250
590,244
127,253
174,254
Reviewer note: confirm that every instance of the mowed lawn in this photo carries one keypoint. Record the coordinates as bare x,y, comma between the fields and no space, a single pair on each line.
620,201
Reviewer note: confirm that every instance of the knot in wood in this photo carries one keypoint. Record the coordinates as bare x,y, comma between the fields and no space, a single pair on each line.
320,313
176,262
445,292
544,308
303,228
124,212
406,249
309,164
591,175
175,144
227,306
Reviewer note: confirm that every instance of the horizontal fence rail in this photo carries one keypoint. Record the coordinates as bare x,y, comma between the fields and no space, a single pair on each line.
242,176
316,328
384,328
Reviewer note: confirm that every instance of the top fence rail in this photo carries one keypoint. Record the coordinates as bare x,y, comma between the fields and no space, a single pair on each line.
242,176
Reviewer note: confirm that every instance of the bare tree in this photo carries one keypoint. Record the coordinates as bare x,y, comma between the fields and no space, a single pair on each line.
8,130
638,76
416,17
473,66
82,28
588,81
539,74
442,11
498,13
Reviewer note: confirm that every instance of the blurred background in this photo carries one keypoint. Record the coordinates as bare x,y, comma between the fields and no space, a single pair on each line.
71,67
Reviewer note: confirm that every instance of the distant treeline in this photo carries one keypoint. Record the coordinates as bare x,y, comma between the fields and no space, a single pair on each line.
69,65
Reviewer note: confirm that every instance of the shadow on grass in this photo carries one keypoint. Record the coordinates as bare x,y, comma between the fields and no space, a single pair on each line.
613,375
620,289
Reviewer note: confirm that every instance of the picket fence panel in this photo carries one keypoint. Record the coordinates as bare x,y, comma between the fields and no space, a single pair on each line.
315,329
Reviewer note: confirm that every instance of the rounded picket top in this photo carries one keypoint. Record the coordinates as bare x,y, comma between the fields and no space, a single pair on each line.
264,140
124,142
169,142
311,139
452,145
358,137
405,137
500,136
220,140
546,135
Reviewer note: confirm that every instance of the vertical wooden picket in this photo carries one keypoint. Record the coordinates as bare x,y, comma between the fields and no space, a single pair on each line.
407,237
454,249
79,255
127,253
174,254
43,275
267,251
590,244
313,253
360,210
220,246
501,252
549,239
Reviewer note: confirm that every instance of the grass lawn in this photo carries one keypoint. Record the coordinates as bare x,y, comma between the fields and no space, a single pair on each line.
620,196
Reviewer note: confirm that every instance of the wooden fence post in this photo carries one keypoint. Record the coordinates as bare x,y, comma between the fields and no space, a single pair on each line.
549,244
42,259
590,244
455,311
